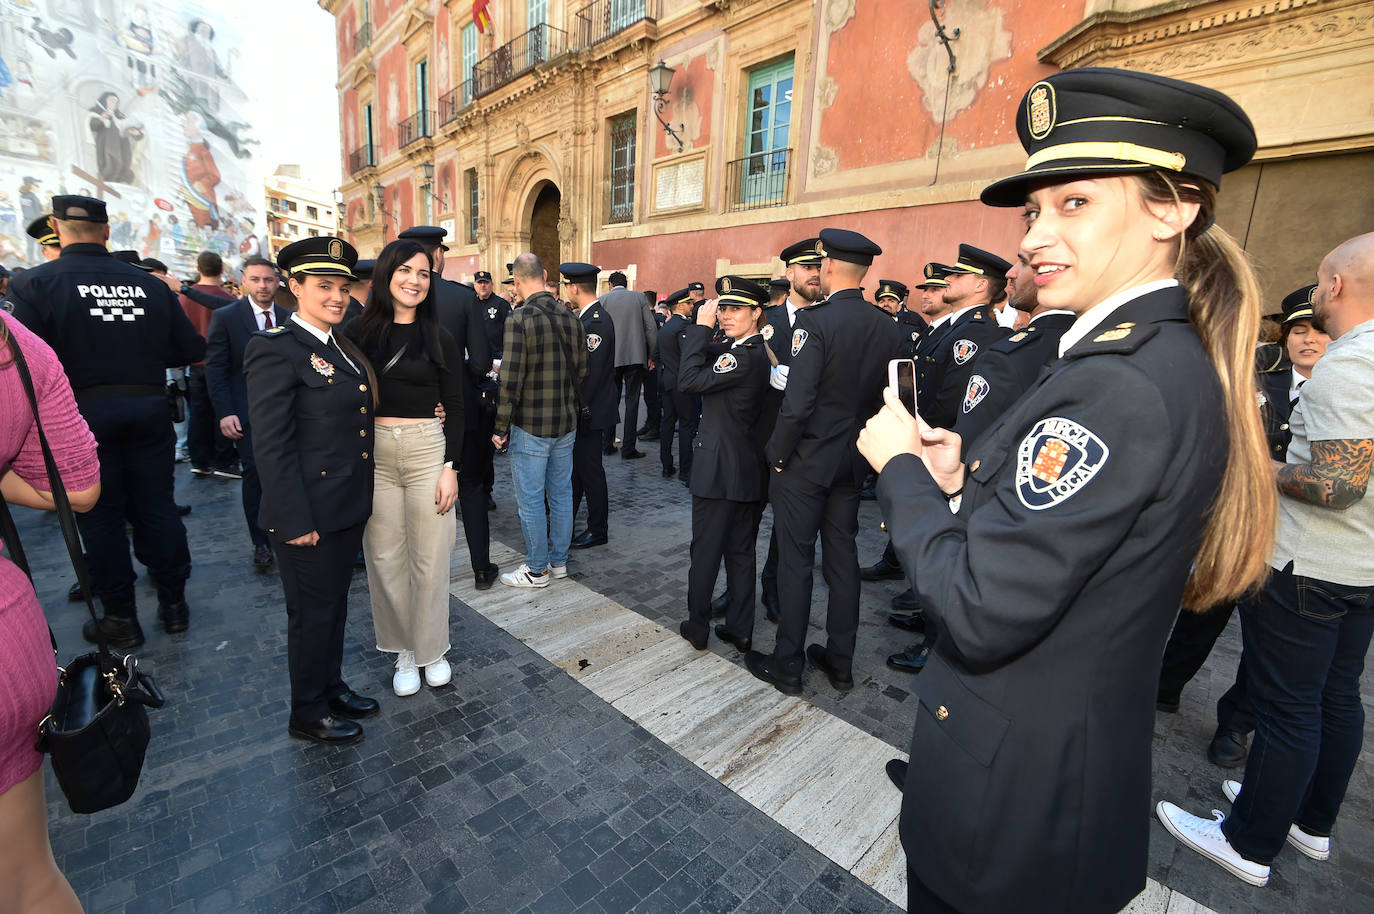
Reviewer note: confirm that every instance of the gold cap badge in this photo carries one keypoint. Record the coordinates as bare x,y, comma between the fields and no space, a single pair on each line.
335,250
1041,114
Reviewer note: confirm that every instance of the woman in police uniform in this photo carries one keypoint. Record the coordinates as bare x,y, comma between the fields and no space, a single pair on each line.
729,476
1131,477
1304,345
310,399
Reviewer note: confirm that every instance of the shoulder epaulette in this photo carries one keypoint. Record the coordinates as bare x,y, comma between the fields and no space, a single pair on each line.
272,331
1122,339
1016,340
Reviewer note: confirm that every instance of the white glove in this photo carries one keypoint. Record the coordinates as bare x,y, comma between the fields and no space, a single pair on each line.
777,377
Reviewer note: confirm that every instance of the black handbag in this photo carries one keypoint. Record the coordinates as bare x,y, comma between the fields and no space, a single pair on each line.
97,729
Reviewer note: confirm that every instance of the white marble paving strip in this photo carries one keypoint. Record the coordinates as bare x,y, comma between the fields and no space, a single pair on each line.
813,773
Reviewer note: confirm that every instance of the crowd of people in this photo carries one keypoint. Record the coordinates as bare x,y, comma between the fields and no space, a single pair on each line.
1099,459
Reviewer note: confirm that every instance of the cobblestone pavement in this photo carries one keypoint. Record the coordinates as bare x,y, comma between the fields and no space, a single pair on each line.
514,789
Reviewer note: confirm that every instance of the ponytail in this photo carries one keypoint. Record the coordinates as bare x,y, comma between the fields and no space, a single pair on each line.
768,350
1224,307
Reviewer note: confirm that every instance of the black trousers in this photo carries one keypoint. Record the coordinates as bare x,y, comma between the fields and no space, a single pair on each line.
679,413
723,529
474,486
315,580
208,448
769,578
252,487
921,900
136,447
801,510
589,478
1190,643
653,398
629,380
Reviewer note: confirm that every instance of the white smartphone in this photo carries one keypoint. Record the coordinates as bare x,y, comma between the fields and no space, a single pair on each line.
901,377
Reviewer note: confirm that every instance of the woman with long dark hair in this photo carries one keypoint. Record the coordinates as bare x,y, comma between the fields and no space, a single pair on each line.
1053,553
410,536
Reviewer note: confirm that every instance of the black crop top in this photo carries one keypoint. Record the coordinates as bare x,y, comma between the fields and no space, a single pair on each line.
414,384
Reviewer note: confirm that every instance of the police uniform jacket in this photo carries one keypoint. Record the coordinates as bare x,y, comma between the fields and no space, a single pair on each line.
1276,408
456,308
777,334
492,312
231,327
670,350
311,414
110,323
1006,370
727,455
600,402
1053,590
944,363
839,351
914,326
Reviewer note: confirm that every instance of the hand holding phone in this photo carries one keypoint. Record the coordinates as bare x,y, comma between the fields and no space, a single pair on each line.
901,377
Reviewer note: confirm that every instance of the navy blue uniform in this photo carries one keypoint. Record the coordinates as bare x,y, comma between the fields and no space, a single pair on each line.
600,411
944,362
679,407
492,312
1006,370
116,330
915,327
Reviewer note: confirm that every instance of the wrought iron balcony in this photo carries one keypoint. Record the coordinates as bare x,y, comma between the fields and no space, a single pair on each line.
362,38
601,19
517,57
416,127
451,103
758,181
358,159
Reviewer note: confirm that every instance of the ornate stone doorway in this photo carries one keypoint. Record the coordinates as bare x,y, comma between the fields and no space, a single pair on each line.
543,229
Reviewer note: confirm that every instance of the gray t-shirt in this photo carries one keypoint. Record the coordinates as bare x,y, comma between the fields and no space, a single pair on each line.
1324,543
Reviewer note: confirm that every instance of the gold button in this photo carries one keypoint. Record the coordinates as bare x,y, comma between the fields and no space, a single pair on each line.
331,380
321,472
1284,427
362,387
364,455
973,467
363,410
362,433
883,526
942,713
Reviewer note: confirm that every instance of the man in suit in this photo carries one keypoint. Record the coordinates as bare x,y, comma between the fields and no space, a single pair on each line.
492,311
230,329
636,345
679,409
597,402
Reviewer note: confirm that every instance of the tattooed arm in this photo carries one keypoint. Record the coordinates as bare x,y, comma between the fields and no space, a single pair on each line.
1337,476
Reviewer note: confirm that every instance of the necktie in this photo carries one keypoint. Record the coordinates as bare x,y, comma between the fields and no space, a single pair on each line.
267,320
1294,402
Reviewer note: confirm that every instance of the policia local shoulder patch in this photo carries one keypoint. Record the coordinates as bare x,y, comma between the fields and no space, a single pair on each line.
1058,458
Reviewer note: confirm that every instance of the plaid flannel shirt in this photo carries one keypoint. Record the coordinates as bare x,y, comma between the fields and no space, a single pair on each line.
544,360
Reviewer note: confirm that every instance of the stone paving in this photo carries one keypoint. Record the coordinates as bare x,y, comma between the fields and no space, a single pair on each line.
515,789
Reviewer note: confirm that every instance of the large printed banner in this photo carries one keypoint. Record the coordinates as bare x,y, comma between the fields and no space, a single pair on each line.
135,102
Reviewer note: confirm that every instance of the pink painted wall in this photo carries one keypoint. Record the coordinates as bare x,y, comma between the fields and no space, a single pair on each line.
694,85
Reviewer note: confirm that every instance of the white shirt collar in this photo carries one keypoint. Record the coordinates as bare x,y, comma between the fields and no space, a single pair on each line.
1051,311
1089,320
792,309
324,336
1294,382
744,340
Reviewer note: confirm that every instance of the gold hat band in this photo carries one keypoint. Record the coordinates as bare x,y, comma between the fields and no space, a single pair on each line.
327,266
806,258
744,300
969,268
1298,315
48,239
1126,153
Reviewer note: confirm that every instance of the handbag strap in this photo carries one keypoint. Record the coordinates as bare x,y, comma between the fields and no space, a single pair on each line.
65,516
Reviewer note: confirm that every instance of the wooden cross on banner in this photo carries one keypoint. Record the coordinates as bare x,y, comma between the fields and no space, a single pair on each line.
101,188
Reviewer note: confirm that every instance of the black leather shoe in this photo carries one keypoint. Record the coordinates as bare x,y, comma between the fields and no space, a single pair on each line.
608,450
631,455
908,622
1167,703
587,540
1228,749
882,571
486,577
743,645
327,730
491,503
762,666
262,556
74,593
906,602
669,472
175,617
840,681
720,605
697,641
124,634
352,705
647,436
183,510
771,609
686,480
645,430
896,772
911,660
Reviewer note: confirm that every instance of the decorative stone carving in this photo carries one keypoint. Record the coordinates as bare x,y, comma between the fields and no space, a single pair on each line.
1310,34
567,229
825,92
837,13
983,41
713,56
823,161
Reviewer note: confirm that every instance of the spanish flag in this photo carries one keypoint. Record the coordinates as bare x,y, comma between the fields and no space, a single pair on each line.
480,15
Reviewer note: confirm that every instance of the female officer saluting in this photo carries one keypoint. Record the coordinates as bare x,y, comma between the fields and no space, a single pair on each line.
729,475
310,399
1131,477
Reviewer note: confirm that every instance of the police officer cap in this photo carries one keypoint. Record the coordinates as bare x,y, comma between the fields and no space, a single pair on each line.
153,265
891,288
681,295
4,272
74,208
481,276
696,287
1297,305
739,292
426,234
573,271
322,256
1099,120
132,259
363,268
803,252
779,284
851,247
980,262
41,230
935,274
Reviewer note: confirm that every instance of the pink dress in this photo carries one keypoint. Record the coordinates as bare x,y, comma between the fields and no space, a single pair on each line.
28,674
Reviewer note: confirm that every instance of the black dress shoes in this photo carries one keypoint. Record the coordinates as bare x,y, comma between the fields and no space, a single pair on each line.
742,645
771,609
631,455
896,772
1167,703
124,634
841,681
588,539
908,622
694,638
647,435
327,730
175,617
882,571
491,503
911,660
74,593
486,577
262,556
183,510
608,450
352,705
906,601
1228,749
669,472
720,605
764,667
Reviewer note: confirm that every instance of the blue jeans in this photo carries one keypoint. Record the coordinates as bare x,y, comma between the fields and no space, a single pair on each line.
1305,643
542,470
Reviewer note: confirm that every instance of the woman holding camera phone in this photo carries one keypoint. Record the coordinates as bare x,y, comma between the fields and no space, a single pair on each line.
1054,553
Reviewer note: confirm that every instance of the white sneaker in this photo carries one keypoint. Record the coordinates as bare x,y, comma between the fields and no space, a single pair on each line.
438,673
406,680
1313,846
523,577
559,571
1205,837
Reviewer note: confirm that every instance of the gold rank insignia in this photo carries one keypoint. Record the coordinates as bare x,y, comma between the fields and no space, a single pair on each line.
277,329
321,365
1120,332
1017,337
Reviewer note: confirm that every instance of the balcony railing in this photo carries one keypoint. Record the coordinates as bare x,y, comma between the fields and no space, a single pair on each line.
454,101
603,18
758,181
517,57
362,38
362,158
418,126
